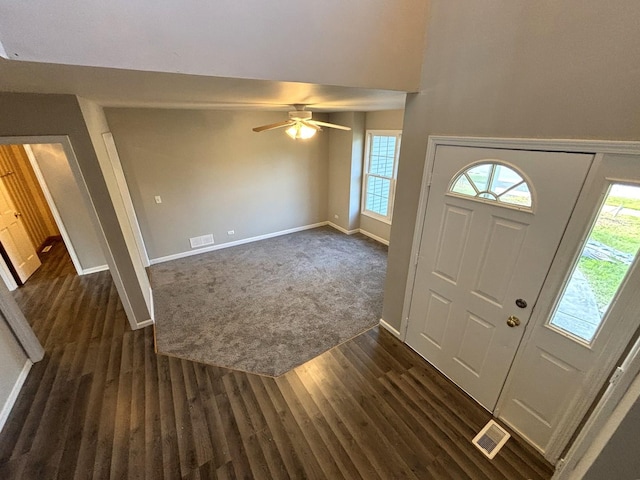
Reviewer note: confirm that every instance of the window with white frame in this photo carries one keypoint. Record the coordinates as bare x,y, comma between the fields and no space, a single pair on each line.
380,170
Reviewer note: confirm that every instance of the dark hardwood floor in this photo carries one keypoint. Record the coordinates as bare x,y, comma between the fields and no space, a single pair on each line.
102,404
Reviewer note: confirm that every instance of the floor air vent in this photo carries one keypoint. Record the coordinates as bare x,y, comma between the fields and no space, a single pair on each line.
491,439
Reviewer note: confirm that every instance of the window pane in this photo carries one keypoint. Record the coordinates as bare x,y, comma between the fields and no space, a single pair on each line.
381,157
480,175
605,259
519,195
381,164
377,200
463,186
503,178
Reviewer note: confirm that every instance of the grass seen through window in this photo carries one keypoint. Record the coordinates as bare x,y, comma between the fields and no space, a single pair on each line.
613,243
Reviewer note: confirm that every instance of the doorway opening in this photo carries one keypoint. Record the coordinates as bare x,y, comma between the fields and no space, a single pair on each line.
28,223
42,203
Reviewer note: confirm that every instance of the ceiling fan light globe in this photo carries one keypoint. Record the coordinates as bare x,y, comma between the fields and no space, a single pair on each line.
292,131
306,132
300,131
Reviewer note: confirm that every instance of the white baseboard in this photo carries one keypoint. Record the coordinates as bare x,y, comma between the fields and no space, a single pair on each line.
146,323
15,391
359,230
375,237
99,268
153,305
389,328
176,256
343,230
212,248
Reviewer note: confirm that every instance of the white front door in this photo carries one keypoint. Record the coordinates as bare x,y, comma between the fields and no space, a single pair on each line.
493,222
577,337
14,238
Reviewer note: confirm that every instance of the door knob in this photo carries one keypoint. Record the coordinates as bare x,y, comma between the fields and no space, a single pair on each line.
17,214
513,321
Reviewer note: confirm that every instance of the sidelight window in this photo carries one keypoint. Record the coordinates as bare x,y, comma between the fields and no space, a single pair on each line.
602,267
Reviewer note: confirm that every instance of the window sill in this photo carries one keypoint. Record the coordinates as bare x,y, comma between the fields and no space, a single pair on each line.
375,216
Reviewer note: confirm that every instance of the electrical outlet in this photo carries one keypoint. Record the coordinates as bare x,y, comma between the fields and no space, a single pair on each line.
231,232
158,199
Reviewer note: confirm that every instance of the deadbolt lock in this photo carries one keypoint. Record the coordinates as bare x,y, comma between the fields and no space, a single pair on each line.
513,321
521,302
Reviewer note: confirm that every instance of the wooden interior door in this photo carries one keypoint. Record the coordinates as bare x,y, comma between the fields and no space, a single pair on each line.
483,261
14,238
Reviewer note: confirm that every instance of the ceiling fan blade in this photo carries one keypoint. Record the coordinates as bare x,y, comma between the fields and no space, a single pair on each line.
271,126
330,125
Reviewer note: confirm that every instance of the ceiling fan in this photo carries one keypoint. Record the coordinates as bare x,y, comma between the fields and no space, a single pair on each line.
300,125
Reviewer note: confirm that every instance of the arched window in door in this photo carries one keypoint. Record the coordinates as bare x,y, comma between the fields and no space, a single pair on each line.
493,182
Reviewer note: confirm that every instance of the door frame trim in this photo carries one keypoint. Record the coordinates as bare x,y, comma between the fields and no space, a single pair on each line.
594,422
123,187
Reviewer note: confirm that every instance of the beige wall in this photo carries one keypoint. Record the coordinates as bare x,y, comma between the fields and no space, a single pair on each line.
70,204
371,44
12,361
345,169
384,120
357,154
375,227
381,120
619,458
514,69
339,172
214,174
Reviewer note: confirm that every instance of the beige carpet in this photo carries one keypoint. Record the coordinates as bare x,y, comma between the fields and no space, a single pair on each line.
269,306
